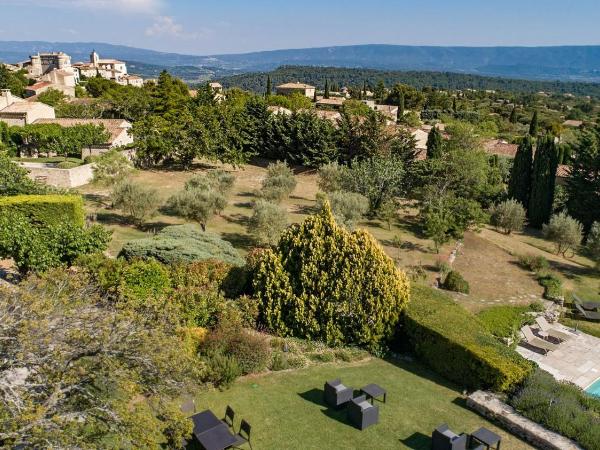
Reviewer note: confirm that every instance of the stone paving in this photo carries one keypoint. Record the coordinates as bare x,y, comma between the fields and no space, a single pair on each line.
576,360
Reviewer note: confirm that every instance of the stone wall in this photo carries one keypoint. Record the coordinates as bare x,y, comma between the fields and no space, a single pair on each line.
62,178
489,405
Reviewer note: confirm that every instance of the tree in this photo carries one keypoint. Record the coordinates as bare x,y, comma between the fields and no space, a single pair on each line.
139,202
388,212
564,231
15,81
533,125
347,207
400,107
543,182
51,97
331,177
326,94
583,184
111,167
61,386
269,87
267,222
508,215
362,137
379,91
322,282
197,204
279,182
513,115
435,144
519,185
378,179
593,243
14,179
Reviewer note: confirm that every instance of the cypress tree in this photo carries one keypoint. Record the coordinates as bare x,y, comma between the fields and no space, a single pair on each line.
315,96
364,91
454,105
400,106
435,144
326,95
543,182
269,87
519,184
513,115
533,126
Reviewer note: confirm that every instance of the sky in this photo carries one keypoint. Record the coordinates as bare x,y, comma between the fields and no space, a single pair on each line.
205,27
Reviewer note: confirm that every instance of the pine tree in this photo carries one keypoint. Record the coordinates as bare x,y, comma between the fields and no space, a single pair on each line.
269,87
533,126
519,185
400,106
326,94
435,144
543,182
513,115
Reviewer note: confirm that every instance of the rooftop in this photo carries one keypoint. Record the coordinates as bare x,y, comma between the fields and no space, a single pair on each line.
23,107
295,86
500,147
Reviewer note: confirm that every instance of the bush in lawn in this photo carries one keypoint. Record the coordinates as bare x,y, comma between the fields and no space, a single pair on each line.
534,263
456,283
323,282
347,207
561,407
198,203
267,222
564,231
222,370
139,202
111,167
553,288
508,216
505,321
331,177
434,326
279,182
182,243
46,209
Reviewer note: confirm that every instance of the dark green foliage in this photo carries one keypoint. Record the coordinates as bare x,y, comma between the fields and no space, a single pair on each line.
269,86
553,287
513,115
46,209
326,92
435,327
583,184
182,243
435,144
51,97
400,105
222,370
505,321
561,407
534,263
15,81
533,125
14,179
519,185
543,182
455,282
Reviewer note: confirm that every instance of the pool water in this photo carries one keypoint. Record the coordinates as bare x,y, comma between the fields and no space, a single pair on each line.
594,389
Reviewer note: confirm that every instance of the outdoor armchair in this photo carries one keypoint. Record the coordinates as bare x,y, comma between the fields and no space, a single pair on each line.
361,413
336,394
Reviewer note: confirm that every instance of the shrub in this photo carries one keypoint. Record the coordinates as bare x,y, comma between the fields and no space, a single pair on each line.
279,362
279,182
248,348
508,215
144,283
15,179
267,222
198,203
323,282
222,370
553,289
455,282
111,167
443,267
182,243
505,321
46,209
434,327
140,203
67,165
330,177
347,207
564,231
534,263
561,407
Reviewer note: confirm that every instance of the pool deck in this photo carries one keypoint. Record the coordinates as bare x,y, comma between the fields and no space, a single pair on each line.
576,360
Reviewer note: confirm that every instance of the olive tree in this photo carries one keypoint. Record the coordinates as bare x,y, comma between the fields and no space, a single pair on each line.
508,216
267,222
139,202
347,207
565,232
279,182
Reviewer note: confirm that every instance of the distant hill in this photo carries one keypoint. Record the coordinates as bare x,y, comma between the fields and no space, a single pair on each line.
573,63
419,79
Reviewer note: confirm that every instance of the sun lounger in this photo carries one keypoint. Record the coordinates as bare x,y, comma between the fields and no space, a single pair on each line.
552,331
591,306
589,315
537,342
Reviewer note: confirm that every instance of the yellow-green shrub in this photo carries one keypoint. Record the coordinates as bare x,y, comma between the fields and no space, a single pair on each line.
46,209
455,343
323,282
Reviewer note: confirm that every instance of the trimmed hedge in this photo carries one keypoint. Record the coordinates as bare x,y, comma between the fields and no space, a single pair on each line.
46,210
456,283
505,321
455,343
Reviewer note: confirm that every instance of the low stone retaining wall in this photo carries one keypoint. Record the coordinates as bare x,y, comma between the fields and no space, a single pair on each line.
489,405
62,178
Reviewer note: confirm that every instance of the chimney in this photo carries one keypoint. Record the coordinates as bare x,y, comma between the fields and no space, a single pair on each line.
6,96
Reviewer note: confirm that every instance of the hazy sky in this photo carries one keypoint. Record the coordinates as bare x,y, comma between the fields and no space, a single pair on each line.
228,26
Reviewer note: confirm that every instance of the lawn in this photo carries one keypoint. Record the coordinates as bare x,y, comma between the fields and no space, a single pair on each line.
286,409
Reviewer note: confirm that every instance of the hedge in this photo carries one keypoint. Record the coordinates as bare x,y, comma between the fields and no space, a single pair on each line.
46,209
455,343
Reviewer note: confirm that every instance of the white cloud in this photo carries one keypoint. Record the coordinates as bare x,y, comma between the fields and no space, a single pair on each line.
169,27
119,6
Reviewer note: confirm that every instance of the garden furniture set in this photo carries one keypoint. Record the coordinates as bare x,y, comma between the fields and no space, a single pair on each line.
213,433
443,438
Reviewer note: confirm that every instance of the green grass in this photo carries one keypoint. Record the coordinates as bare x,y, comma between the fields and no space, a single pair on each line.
505,320
286,410
53,159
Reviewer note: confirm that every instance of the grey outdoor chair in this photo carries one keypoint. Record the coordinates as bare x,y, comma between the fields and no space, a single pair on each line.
361,413
589,315
443,438
243,437
336,394
229,416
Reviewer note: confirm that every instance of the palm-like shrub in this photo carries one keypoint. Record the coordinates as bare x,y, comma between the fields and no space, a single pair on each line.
326,283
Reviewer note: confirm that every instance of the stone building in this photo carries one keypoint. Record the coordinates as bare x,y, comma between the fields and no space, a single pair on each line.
109,69
17,112
292,88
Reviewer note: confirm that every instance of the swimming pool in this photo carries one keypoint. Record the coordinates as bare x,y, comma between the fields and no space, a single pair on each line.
594,388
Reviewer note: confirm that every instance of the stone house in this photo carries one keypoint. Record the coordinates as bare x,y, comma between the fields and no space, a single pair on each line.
292,88
17,112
